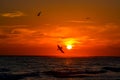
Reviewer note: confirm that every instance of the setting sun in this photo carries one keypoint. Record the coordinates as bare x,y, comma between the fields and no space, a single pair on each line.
69,47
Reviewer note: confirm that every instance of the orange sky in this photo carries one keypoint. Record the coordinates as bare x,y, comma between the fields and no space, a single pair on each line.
91,27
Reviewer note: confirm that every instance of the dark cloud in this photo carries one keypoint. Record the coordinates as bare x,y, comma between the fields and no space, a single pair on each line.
4,36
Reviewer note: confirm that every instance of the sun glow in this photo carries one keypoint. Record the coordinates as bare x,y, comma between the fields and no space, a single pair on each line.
69,47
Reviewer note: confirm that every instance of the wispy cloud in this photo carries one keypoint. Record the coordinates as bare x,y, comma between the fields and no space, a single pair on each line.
13,14
108,34
79,21
3,36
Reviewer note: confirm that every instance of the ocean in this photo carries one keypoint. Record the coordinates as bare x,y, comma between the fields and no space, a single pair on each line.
53,68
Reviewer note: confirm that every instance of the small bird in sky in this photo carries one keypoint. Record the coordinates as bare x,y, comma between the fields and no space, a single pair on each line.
39,13
87,18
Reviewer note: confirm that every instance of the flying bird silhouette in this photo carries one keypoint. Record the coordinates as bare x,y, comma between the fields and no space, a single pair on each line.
87,18
39,13
60,48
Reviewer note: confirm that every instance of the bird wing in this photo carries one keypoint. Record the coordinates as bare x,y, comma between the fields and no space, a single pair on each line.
61,50
39,13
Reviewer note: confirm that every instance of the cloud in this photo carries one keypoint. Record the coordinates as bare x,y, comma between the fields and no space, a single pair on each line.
87,38
80,21
3,36
83,35
13,14
22,31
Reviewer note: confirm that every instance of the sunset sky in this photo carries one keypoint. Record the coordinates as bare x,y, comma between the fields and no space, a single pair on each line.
91,27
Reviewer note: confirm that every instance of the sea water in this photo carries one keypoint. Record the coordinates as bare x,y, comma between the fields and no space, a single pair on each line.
72,67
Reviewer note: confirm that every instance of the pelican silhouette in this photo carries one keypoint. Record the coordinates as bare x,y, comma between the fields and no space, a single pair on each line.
60,48
39,13
87,18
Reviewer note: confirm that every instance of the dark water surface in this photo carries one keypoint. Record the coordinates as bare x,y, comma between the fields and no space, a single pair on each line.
51,68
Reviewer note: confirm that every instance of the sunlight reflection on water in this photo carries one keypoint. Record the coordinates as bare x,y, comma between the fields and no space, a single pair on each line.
65,65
